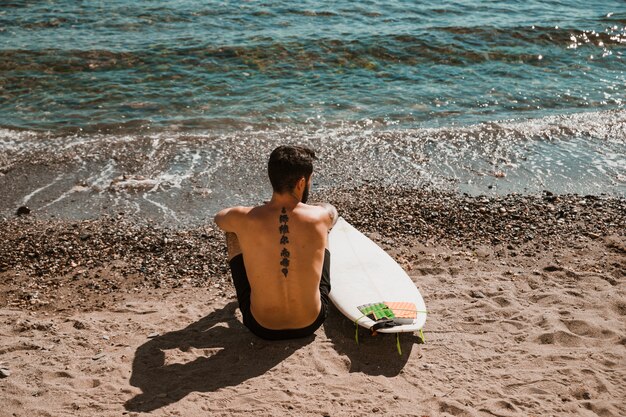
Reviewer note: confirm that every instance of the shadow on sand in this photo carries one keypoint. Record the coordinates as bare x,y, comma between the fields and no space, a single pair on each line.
373,355
231,356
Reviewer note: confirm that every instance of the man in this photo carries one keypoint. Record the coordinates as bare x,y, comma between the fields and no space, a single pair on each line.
278,251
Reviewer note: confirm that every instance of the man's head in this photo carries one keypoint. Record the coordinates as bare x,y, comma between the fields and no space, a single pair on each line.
288,165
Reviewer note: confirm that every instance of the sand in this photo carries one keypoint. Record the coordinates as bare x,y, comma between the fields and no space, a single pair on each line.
534,329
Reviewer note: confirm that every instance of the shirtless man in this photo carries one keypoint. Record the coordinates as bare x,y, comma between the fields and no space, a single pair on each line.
278,251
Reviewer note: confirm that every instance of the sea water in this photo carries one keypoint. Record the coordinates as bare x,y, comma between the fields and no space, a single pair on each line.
125,105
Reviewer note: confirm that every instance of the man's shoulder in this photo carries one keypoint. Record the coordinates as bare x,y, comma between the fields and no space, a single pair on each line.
237,210
323,212
229,219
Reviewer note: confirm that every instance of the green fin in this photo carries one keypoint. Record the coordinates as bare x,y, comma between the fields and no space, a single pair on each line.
398,344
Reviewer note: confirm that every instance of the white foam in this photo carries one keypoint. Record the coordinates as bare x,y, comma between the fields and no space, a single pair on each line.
63,196
27,197
99,181
583,152
165,209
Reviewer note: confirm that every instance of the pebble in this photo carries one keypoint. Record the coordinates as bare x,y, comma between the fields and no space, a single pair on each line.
4,372
153,335
99,356
476,294
552,268
22,211
79,325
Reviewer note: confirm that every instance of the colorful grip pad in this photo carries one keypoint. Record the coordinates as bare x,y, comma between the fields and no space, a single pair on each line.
399,312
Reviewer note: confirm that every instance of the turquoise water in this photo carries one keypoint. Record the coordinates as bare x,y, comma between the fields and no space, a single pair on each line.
171,108
93,65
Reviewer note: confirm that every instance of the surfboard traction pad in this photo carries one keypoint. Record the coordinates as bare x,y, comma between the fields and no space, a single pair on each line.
389,314
398,312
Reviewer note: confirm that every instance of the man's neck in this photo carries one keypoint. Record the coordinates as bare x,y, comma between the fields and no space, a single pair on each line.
287,200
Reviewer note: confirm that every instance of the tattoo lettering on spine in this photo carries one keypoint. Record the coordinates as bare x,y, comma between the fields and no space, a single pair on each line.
284,230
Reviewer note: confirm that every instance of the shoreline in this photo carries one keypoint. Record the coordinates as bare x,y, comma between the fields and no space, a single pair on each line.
184,177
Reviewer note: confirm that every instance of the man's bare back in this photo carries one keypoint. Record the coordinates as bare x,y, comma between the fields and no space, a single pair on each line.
283,248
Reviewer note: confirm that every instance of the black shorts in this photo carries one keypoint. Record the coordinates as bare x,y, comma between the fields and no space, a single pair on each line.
242,286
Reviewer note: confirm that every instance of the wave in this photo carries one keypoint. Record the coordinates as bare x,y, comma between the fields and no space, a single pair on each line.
607,125
439,45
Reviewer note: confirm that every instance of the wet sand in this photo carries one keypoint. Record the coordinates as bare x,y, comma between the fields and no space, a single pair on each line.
527,300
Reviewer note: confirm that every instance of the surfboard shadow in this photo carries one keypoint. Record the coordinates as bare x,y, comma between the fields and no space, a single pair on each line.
373,355
230,355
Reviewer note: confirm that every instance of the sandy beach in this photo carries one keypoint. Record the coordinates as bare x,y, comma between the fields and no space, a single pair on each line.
527,316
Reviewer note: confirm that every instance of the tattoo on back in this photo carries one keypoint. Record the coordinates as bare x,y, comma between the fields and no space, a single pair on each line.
284,240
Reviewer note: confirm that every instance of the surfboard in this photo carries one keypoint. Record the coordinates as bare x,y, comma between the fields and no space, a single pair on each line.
363,274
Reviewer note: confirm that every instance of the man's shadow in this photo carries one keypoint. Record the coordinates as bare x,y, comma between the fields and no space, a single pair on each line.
230,355
372,355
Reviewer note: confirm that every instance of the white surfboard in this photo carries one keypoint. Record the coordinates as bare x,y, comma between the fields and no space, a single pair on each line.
361,273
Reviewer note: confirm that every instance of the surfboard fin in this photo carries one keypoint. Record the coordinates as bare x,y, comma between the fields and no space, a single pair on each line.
383,323
398,344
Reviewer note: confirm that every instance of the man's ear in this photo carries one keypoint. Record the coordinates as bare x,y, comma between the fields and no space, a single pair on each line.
301,184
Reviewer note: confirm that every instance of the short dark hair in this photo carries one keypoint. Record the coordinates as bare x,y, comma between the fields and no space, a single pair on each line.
287,164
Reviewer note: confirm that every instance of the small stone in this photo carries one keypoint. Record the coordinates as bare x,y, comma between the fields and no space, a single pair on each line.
153,335
476,294
552,268
22,211
5,372
99,356
79,325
